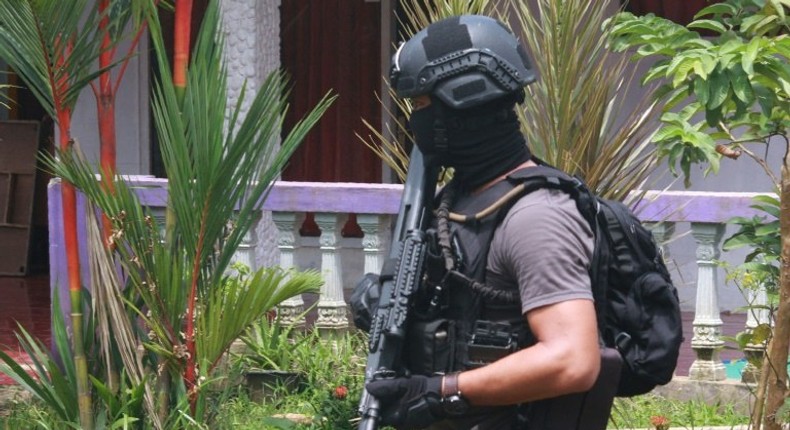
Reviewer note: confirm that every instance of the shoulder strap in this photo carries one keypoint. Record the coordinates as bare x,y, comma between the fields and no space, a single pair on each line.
545,176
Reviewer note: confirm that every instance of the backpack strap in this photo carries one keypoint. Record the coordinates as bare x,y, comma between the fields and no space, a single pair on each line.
532,178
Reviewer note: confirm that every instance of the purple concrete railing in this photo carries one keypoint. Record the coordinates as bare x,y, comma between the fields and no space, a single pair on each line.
704,212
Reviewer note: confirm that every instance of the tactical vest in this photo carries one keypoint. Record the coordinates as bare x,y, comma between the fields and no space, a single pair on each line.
469,328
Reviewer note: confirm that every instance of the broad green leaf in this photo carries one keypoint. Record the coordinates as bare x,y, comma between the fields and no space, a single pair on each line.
681,72
766,99
709,63
719,90
677,96
667,132
701,90
654,73
778,8
761,334
748,57
741,86
717,9
735,242
708,24
713,116
769,200
768,229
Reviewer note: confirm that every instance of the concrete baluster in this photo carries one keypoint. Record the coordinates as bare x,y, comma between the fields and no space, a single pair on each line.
757,315
290,309
374,240
331,305
662,232
706,341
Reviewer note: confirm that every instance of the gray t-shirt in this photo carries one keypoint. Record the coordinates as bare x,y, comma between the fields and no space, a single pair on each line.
544,245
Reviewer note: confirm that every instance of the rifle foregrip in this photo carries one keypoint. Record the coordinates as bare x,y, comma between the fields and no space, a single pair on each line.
369,410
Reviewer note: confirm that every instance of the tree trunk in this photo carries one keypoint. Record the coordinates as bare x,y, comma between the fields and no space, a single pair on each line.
105,105
777,352
71,244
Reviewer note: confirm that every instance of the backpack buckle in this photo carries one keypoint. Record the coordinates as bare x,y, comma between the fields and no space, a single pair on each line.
622,341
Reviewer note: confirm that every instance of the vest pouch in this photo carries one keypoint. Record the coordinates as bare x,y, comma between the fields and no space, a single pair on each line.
431,346
489,342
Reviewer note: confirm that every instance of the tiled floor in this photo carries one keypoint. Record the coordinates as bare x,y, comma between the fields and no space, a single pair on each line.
27,301
24,301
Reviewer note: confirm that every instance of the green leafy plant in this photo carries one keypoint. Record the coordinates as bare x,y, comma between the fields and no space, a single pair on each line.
170,307
653,411
760,234
722,94
271,344
576,116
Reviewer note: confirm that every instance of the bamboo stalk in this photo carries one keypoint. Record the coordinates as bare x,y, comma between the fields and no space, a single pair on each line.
71,244
182,28
105,105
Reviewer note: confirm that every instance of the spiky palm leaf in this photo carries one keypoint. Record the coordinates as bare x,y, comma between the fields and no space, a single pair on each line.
115,327
5,99
574,115
49,379
220,170
51,47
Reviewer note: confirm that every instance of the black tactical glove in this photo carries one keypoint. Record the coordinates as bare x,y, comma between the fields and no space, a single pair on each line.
409,403
365,300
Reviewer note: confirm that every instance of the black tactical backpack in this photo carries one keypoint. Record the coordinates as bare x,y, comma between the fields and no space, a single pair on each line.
637,304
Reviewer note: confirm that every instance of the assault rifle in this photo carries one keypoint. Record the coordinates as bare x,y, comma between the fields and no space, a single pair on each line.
400,277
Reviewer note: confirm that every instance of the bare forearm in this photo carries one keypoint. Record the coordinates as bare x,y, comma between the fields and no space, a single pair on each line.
530,374
565,359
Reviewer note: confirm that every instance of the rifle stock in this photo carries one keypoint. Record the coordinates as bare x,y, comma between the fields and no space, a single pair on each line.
400,278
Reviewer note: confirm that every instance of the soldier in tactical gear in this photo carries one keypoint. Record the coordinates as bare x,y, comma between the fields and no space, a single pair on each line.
512,321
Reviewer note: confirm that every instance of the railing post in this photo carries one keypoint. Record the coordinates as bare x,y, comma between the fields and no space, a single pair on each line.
756,315
662,232
706,341
290,309
373,241
331,304
245,253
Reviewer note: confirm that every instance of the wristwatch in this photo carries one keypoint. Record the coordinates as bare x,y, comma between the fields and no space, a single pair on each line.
453,402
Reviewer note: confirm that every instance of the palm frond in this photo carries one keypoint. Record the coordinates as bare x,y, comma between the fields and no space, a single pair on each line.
48,379
51,47
418,14
577,115
221,163
114,322
232,308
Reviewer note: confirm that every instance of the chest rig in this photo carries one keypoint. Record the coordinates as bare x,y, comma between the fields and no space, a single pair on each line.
466,323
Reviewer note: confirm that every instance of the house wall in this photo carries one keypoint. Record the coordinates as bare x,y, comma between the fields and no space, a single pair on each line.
252,35
132,116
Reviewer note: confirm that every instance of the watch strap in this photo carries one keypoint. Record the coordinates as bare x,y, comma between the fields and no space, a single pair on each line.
450,385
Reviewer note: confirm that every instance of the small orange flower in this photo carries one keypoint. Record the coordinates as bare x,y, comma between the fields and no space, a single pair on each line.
340,392
660,422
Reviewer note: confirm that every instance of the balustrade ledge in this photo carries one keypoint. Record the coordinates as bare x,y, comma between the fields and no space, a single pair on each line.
706,211
694,206
347,197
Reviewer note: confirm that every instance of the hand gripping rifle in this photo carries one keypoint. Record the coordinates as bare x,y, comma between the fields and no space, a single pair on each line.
400,277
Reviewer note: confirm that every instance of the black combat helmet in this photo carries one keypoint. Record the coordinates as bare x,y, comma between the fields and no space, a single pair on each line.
465,61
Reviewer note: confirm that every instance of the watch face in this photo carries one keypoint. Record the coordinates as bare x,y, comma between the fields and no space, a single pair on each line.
455,405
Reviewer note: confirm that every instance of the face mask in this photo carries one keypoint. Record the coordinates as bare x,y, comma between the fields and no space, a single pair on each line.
422,124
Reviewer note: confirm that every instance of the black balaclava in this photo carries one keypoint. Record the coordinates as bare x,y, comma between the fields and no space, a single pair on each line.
480,143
